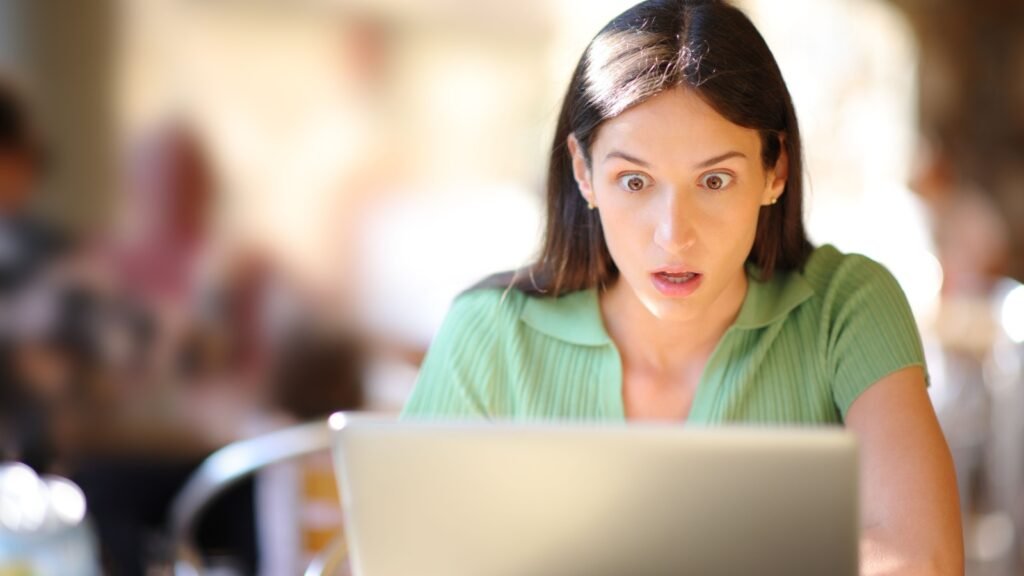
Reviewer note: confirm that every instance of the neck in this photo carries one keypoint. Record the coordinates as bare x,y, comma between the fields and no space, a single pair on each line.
667,345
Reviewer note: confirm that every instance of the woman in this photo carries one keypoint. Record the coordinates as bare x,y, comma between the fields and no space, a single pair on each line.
676,281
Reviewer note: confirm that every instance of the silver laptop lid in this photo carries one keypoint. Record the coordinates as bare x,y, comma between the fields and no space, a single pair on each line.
490,499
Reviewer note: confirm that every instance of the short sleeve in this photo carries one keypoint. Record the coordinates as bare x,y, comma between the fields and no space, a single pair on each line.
869,329
459,371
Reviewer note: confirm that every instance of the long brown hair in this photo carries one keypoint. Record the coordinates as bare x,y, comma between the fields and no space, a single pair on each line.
706,46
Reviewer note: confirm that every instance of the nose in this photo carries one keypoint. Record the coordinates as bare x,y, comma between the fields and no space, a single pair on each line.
675,231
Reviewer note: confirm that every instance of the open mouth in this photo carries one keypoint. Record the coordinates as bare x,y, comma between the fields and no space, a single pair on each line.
676,284
677,278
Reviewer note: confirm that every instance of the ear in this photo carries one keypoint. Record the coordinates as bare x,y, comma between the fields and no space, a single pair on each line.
580,171
777,177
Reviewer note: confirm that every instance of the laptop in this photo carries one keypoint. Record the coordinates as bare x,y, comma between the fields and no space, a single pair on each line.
503,499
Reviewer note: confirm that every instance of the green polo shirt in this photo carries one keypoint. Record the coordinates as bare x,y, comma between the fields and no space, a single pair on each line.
804,346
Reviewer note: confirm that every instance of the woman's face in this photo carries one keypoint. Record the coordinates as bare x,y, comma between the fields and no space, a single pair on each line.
678,189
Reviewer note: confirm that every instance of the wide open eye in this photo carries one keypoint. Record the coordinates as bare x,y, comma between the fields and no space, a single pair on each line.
634,182
716,180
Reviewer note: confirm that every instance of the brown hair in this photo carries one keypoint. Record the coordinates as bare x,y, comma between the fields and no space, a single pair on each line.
706,46
18,136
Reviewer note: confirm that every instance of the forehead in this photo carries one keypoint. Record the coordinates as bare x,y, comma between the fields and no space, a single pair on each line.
676,125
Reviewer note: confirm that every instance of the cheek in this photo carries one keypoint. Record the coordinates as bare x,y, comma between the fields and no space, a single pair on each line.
626,232
741,226
619,232
730,226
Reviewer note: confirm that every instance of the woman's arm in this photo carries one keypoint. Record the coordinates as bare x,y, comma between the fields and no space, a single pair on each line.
910,513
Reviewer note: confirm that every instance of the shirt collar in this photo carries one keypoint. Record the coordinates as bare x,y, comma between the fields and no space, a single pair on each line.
576,317
769,301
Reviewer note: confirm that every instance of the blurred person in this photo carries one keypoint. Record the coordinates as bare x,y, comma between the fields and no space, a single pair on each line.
155,424
27,241
55,320
676,282
977,397
205,377
972,237
42,348
210,305
165,224
157,255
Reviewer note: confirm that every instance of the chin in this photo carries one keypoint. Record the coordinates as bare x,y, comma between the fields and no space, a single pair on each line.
670,310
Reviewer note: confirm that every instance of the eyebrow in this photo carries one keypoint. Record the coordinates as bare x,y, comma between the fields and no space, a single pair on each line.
720,158
626,157
704,164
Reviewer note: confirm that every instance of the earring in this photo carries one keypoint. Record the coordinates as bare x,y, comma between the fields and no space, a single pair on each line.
773,200
590,205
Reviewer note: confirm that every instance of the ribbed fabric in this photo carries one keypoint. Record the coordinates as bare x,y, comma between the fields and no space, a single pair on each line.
803,347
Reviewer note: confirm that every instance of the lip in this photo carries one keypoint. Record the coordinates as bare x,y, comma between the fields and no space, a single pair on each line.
673,290
674,270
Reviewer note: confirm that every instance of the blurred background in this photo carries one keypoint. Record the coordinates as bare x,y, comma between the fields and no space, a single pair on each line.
220,218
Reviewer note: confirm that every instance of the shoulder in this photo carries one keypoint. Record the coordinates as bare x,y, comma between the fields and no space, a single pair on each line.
858,297
573,318
867,324
467,361
836,277
496,306
827,267
479,319
828,278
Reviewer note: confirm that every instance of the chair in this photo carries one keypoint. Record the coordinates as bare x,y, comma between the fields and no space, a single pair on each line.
223,469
